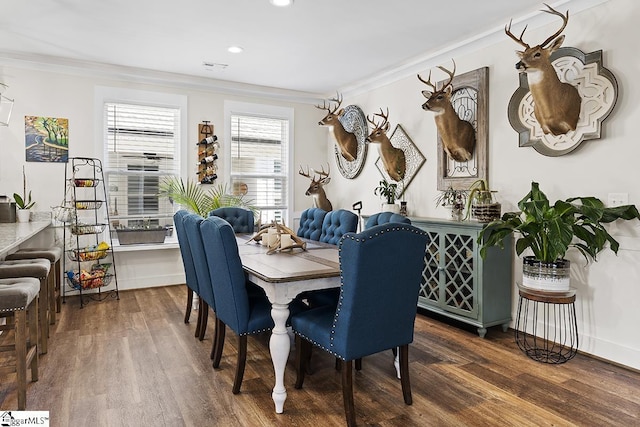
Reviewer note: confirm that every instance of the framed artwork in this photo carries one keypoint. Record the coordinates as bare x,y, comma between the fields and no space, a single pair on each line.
46,139
470,100
413,157
598,91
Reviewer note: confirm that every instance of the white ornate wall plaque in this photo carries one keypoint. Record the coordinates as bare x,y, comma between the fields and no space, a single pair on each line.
598,90
353,120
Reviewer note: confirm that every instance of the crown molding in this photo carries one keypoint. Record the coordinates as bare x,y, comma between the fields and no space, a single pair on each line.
490,37
146,76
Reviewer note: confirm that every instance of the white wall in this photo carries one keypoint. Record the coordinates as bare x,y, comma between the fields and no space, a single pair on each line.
609,290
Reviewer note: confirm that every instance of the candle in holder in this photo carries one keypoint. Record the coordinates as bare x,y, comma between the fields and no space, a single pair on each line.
272,237
285,241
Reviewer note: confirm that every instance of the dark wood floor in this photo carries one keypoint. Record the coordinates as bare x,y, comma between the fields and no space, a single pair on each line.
133,362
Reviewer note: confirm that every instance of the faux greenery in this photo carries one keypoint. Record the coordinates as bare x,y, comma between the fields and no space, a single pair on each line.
451,197
193,197
550,230
386,190
24,201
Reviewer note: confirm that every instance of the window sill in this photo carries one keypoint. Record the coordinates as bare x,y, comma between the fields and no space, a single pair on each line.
169,243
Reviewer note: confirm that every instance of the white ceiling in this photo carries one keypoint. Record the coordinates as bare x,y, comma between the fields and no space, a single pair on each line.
314,47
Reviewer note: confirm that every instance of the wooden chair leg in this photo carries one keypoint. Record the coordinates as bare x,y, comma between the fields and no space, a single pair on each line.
43,304
220,332
20,318
404,374
359,364
301,360
32,313
242,360
204,313
187,311
216,336
52,295
347,392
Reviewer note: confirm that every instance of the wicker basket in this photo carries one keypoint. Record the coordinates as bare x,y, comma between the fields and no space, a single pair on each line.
87,228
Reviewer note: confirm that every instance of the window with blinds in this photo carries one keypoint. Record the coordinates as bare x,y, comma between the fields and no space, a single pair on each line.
140,149
259,163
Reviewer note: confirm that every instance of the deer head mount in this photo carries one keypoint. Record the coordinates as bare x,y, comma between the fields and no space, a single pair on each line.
458,136
346,141
316,188
556,104
393,158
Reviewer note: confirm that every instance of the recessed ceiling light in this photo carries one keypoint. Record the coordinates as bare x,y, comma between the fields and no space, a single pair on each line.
235,49
281,3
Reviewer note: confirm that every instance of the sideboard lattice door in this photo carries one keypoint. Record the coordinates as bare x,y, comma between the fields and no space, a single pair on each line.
459,291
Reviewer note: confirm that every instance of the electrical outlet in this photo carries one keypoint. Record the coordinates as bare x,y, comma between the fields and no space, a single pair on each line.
618,199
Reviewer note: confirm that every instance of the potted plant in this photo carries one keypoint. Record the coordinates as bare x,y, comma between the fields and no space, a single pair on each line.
195,199
454,199
23,202
480,202
387,190
548,231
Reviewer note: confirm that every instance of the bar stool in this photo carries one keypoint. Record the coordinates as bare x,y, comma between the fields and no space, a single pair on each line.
53,254
37,268
19,299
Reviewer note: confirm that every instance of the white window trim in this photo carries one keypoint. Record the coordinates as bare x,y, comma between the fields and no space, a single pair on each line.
267,111
103,94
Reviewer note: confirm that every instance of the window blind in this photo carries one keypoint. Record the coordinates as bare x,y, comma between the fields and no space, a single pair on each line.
259,163
141,148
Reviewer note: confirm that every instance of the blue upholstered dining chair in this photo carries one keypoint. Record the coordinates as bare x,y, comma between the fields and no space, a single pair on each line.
245,314
191,224
381,271
241,220
384,218
336,223
189,268
311,223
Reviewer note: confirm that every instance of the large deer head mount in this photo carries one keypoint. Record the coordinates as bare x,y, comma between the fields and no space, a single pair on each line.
316,188
556,104
458,136
393,158
346,141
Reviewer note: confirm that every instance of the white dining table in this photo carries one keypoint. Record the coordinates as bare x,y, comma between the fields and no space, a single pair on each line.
283,276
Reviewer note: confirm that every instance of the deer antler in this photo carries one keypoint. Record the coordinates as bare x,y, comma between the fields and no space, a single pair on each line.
337,100
303,173
323,175
428,82
451,73
324,106
565,20
380,114
507,30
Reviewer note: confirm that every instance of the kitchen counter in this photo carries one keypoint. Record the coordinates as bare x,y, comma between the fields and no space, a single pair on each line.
13,234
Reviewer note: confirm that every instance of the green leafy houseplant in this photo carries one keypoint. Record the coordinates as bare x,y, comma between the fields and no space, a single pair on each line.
24,201
550,230
386,190
195,199
480,203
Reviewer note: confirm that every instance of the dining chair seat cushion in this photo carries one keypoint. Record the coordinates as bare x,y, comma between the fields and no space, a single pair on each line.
336,224
241,220
311,223
53,254
17,293
384,218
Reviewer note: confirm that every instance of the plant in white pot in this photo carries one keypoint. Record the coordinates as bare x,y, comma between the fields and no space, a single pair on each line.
548,231
23,202
387,190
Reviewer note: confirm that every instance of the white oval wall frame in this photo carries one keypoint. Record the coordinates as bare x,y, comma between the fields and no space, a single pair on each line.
598,89
354,121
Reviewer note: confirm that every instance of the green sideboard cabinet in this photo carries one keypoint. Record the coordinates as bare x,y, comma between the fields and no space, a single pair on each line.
457,282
